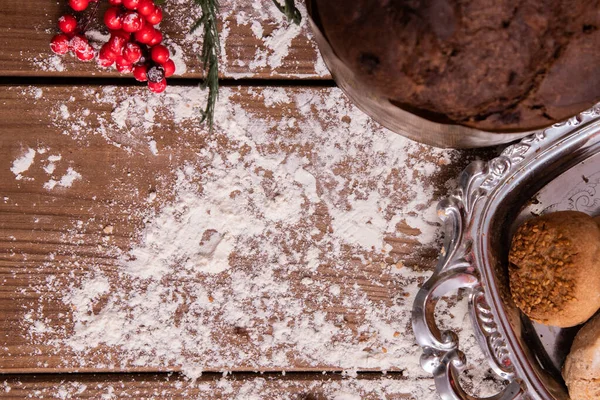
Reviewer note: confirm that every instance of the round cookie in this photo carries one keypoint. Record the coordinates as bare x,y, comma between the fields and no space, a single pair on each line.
582,367
554,268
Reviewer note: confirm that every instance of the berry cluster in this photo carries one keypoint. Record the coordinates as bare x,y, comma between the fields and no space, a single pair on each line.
134,44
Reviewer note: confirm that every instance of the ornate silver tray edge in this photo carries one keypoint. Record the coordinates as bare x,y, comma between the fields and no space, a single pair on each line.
463,264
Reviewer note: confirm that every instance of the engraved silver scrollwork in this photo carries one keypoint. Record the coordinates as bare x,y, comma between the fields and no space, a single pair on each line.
487,330
441,354
586,196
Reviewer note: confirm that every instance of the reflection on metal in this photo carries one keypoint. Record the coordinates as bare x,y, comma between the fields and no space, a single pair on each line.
559,168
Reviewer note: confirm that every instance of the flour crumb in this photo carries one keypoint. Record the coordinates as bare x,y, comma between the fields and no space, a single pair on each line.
23,163
65,181
50,166
49,169
153,148
257,29
64,111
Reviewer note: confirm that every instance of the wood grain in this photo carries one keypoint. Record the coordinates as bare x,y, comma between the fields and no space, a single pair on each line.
52,240
241,386
256,43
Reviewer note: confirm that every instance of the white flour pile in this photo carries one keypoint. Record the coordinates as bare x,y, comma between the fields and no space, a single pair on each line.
286,239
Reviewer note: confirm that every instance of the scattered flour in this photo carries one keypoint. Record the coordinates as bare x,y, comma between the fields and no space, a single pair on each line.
23,163
258,388
65,181
48,62
278,42
49,169
51,164
287,238
153,148
64,111
278,37
96,36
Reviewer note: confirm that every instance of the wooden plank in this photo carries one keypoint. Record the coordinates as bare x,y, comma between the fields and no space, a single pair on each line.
291,238
256,42
281,387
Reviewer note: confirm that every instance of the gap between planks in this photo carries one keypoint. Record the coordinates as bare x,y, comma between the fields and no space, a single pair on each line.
209,375
129,82
291,386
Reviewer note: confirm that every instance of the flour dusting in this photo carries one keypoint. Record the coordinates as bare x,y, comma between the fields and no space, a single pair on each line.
293,237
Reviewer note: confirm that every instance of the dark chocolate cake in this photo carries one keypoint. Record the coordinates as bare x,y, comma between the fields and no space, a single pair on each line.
494,65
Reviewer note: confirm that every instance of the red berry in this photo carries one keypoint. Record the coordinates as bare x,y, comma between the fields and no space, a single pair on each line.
124,66
156,39
156,73
79,43
169,68
132,52
117,43
132,21
67,23
60,44
140,73
145,34
115,2
146,7
158,87
159,54
79,5
121,33
85,54
105,62
155,17
113,19
131,4
106,53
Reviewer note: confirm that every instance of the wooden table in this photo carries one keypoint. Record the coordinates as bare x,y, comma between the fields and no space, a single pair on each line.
145,257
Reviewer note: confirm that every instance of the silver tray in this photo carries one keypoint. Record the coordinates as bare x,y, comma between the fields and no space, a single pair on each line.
554,169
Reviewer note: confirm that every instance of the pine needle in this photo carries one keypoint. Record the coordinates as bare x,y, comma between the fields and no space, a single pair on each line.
289,10
211,48
210,55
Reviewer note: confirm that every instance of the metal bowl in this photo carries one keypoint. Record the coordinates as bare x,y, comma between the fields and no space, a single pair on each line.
395,118
554,169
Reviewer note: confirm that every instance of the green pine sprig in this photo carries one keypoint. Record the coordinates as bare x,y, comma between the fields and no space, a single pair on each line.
211,48
209,55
